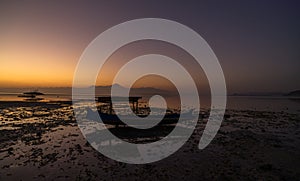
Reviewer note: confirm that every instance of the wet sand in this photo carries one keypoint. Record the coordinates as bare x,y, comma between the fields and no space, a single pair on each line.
42,141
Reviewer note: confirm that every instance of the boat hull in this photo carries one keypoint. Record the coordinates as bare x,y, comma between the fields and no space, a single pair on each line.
113,119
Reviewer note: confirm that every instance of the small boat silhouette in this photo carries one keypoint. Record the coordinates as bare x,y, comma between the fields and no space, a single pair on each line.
36,93
113,119
31,96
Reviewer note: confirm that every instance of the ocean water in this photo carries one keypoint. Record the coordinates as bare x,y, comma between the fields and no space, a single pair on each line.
42,141
256,103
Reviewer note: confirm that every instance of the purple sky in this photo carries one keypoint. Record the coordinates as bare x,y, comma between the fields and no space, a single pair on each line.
256,42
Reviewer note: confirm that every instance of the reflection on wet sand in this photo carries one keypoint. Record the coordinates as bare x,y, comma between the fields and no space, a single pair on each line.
42,140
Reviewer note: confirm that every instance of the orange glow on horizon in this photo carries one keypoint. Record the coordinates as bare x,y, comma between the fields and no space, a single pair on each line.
31,68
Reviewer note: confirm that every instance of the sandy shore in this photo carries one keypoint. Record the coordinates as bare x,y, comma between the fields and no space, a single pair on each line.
42,141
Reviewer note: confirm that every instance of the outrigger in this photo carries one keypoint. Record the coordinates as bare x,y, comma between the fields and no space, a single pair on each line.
31,96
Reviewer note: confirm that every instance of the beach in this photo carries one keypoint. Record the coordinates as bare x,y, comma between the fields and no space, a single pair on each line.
41,140
149,90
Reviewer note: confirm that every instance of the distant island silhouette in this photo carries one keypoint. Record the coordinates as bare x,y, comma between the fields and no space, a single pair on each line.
295,93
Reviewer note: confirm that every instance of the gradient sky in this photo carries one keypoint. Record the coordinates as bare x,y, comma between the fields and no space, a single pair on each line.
256,42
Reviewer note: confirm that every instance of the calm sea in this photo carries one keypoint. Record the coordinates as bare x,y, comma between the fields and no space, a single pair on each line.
259,103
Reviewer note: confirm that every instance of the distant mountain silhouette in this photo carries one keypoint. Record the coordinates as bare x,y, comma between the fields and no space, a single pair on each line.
140,91
295,93
258,94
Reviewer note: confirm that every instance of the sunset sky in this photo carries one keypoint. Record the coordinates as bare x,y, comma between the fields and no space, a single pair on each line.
257,43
